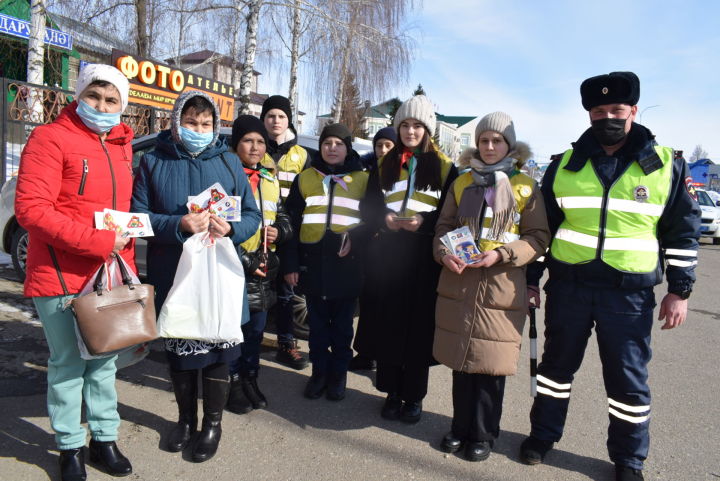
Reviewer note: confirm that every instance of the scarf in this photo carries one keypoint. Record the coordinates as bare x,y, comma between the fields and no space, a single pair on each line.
339,179
491,186
254,176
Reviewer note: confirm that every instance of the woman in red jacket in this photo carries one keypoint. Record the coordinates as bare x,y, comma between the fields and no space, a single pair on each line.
70,169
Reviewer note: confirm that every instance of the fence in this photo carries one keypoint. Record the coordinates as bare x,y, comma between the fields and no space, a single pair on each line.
25,106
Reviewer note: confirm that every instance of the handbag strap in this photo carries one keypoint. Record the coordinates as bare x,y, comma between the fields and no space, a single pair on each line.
57,269
98,284
124,272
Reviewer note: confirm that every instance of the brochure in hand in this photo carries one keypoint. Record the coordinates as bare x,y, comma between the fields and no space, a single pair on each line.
216,200
461,243
127,224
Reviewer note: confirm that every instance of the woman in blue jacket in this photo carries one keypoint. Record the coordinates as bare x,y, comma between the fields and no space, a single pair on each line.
188,159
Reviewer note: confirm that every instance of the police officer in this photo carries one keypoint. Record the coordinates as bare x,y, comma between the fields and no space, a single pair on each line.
290,159
620,212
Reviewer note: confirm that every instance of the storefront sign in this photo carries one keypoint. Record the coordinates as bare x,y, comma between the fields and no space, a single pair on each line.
20,28
158,85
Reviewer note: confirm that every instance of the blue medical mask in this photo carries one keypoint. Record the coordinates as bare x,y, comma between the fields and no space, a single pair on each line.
98,122
194,141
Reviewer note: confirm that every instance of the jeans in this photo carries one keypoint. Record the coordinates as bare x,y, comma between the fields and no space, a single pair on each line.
249,360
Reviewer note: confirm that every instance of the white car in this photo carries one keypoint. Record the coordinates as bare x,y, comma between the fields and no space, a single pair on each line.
710,226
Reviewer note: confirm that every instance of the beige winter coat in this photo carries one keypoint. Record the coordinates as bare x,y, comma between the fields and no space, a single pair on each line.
480,314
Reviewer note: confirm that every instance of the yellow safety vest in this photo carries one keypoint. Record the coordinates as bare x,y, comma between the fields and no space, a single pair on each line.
397,200
338,210
267,197
522,187
289,165
618,226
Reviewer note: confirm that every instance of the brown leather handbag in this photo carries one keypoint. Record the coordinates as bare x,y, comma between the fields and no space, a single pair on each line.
113,319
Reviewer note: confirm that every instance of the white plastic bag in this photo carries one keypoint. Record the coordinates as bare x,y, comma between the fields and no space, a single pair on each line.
130,355
205,302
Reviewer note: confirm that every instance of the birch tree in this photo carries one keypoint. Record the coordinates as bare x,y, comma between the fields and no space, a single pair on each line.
251,32
36,58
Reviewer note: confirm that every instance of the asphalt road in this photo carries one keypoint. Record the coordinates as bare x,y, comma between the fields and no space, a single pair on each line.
299,439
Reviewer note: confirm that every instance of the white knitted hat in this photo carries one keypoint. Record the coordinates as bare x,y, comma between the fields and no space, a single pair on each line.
418,107
107,73
499,122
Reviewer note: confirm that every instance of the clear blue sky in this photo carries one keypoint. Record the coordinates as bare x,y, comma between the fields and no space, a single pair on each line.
528,58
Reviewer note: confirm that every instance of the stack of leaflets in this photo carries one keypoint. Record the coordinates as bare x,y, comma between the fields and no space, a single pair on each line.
127,224
216,200
462,244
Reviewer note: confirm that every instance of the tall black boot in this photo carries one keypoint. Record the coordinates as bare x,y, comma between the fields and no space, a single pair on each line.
185,388
252,391
215,394
238,402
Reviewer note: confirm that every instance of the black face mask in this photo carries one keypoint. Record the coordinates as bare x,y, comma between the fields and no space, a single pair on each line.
609,131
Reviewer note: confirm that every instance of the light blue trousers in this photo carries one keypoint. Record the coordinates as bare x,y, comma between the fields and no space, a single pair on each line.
72,380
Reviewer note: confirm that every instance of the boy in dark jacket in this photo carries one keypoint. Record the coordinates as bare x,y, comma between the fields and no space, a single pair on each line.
324,207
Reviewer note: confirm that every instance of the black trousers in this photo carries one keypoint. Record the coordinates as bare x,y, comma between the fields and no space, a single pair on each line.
477,406
410,382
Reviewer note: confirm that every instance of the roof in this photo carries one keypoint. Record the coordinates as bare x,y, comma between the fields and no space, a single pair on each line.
454,119
205,56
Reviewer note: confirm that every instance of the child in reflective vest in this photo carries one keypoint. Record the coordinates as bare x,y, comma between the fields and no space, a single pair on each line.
323,258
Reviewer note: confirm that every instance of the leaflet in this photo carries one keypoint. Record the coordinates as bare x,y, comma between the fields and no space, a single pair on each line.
217,201
127,224
462,244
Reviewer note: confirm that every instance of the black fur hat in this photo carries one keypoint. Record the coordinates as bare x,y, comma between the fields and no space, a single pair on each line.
612,88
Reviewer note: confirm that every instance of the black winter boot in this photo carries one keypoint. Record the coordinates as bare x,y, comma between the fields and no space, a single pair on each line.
185,387
72,464
252,391
289,355
237,401
336,386
215,394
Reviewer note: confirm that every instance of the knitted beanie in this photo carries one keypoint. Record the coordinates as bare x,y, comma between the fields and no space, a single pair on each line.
106,73
245,124
339,131
277,102
420,108
385,133
499,122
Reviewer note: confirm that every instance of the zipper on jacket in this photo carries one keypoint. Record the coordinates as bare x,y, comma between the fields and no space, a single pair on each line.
330,204
112,175
603,207
81,190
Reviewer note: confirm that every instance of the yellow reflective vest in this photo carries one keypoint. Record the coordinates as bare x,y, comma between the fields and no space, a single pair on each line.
619,225
397,199
289,165
337,210
267,197
522,187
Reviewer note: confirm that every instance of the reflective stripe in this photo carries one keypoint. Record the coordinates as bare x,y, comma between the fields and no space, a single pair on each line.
625,417
284,191
269,206
680,252
269,222
395,205
551,383
506,237
336,219
623,244
577,238
627,407
611,244
540,259
398,186
418,206
623,205
548,392
337,201
579,202
289,176
317,200
678,263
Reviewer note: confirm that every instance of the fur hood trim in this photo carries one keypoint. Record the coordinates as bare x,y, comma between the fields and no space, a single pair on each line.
522,153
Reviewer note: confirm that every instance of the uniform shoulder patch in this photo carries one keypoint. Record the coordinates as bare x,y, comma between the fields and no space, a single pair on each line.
690,187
